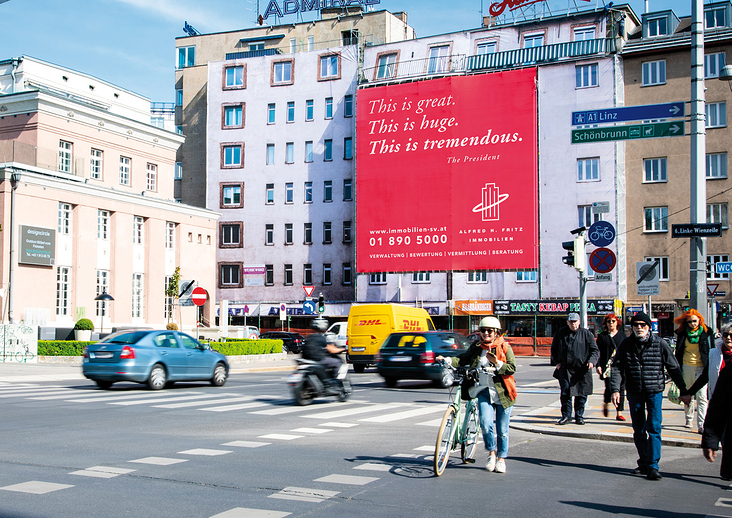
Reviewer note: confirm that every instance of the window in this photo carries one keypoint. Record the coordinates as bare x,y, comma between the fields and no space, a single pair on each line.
347,148
95,164
654,73
309,151
152,177
308,192
585,76
328,107
478,276
231,235
179,130
290,111
439,59
377,278
586,216
329,67
349,37
308,233
309,110
138,230
288,275
327,232
529,276
62,290
584,33
178,170
718,213
486,47
715,18
269,194
125,166
716,115
588,169
328,191
348,106
327,274
64,218
657,27
268,274
170,235
289,192
233,116
269,234
347,190
533,40
271,113
234,77
186,57
420,277
293,45
328,151
716,165
282,72
654,170
662,267
256,45
347,236
288,233
656,219
232,156
307,274
386,66
137,295
102,287
270,154
712,260
230,275
713,64
64,156
289,152
103,224
158,122
231,196
311,43
179,97
347,274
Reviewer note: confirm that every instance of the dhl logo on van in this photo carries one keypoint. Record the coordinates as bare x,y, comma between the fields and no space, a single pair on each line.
376,322
411,325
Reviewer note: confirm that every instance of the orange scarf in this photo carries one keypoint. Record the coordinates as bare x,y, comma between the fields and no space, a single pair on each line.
501,346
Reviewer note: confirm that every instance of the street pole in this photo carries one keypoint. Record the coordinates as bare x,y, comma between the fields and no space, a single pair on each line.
698,187
583,285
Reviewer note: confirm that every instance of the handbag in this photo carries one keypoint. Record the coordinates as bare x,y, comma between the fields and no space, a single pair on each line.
674,393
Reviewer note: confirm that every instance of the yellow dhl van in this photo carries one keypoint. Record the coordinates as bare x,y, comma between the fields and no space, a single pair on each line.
370,324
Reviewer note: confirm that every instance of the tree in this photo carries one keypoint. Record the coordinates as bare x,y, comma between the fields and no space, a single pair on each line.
171,292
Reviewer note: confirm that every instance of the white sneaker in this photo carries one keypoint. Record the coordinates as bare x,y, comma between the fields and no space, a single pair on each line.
500,466
491,464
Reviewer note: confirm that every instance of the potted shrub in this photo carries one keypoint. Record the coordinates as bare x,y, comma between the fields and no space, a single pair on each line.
83,330
171,326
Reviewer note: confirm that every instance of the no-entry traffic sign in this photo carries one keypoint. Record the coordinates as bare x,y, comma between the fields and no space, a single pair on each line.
199,296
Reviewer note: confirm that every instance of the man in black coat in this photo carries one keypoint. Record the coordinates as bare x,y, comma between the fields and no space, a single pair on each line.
642,357
575,353
718,423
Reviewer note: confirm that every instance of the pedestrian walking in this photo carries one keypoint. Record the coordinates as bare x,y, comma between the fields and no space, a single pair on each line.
718,422
719,357
608,341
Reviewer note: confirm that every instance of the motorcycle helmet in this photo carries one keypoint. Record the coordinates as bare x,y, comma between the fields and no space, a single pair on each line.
319,324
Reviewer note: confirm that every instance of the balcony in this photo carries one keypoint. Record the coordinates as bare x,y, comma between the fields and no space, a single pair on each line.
253,53
416,68
48,159
302,45
541,55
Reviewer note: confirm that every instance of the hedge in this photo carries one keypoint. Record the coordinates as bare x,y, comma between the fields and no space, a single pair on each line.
61,347
230,348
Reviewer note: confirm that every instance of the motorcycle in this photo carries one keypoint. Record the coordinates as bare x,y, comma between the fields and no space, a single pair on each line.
310,381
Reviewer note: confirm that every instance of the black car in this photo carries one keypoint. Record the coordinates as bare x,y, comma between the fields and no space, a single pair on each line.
291,342
407,355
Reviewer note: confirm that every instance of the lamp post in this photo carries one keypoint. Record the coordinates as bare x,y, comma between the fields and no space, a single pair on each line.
104,297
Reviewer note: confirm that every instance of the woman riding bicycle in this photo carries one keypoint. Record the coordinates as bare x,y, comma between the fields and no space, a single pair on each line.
496,400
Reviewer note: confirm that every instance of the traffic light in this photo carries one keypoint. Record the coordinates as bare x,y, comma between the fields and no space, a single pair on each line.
576,256
321,303
569,258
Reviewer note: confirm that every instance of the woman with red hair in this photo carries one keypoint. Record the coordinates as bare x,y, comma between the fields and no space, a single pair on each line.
693,343
608,341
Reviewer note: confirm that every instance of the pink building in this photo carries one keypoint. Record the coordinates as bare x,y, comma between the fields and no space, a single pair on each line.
86,201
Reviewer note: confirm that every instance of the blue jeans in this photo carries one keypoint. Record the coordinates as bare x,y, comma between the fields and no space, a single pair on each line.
645,413
487,414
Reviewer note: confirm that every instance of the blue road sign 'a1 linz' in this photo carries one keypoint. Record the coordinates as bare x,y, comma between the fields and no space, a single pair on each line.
629,113
601,233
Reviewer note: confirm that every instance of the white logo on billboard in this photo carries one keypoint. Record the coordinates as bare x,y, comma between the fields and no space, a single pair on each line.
492,198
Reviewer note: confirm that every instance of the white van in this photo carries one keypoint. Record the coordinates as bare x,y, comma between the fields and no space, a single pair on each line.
339,330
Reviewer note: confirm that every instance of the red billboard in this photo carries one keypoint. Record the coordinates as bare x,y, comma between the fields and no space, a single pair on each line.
447,174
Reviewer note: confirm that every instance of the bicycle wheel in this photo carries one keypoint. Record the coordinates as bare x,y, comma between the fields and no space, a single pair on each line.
444,441
470,436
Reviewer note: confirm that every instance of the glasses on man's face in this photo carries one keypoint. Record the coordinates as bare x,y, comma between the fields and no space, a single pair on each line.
639,324
486,330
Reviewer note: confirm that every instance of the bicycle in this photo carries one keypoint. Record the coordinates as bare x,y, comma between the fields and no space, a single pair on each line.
465,434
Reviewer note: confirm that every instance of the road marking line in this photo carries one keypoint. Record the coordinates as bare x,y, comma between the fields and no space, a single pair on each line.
304,494
403,415
91,393
244,512
33,392
338,425
354,411
36,487
279,410
204,451
370,466
158,461
140,395
95,474
430,449
434,422
311,430
169,398
229,408
246,444
723,502
346,479
210,401
281,436
406,455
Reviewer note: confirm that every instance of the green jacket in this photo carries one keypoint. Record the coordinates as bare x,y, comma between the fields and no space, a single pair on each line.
471,357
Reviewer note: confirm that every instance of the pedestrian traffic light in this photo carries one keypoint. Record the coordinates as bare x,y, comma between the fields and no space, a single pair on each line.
576,256
321,303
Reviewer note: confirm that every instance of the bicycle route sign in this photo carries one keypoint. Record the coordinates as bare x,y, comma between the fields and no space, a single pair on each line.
601,233
602,260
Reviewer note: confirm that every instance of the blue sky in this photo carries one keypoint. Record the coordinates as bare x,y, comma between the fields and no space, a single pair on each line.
131,42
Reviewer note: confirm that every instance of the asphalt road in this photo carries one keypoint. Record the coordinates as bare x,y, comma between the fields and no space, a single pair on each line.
244,451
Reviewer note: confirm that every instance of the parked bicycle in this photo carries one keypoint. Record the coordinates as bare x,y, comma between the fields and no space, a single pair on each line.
459,427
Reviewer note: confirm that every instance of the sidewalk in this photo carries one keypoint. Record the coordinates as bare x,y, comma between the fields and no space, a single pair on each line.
596,426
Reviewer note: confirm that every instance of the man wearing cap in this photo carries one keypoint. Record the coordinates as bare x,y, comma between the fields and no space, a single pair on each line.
642,357
575,353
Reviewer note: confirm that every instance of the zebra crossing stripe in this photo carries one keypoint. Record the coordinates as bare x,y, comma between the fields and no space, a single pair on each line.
355,411
304,494
207,402
388,418
167,399
137,395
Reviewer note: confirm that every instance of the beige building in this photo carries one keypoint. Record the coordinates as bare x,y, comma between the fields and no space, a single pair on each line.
657,70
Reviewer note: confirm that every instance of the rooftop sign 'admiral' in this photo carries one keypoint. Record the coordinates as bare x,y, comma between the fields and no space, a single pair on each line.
302,6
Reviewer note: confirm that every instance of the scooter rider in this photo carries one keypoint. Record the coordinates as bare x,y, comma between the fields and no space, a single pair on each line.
319,349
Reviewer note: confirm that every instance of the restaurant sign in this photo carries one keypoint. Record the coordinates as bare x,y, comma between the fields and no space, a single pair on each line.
473,307
551,307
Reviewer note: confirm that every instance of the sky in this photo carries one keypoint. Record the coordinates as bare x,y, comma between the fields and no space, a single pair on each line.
131,43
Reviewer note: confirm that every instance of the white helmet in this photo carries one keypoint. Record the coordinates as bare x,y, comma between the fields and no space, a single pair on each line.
319,324
490,322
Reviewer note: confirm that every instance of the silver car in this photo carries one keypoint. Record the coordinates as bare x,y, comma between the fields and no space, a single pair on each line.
153,357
